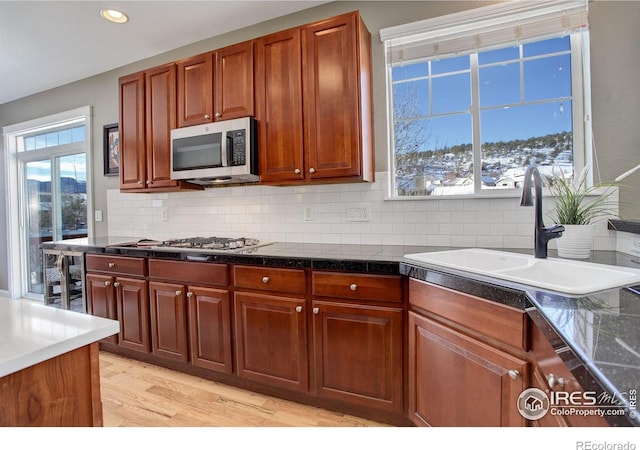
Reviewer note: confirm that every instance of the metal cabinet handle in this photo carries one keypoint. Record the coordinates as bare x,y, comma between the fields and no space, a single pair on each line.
312,170
353,287
553,381
107,283
178,293
316,310
514,374
111,265
207,116
218,115
189,294
265,280
139,181
149,181
116,284
297,171
298,308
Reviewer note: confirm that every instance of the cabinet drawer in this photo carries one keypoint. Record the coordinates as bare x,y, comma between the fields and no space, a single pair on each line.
554,375
270,279
356,286
189,272
117,265
494,320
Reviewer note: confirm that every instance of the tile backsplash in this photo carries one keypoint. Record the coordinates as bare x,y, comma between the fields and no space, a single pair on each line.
334,213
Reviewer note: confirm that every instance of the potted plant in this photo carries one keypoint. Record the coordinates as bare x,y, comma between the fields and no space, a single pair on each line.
576,206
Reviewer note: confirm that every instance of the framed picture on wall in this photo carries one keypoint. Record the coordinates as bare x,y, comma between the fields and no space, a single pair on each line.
111,150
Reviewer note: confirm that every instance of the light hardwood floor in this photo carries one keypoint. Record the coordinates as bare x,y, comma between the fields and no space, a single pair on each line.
137,394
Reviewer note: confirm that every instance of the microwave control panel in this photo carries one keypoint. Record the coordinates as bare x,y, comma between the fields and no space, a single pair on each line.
238,153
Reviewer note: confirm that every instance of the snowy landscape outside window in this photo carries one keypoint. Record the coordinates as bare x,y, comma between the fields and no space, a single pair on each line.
469,122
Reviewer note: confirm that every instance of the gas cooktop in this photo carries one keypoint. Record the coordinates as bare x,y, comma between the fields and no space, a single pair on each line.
213,243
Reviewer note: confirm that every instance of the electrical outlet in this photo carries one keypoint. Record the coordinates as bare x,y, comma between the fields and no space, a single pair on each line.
308,213
359,212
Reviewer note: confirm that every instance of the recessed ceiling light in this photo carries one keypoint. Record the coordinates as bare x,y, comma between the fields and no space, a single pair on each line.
113,15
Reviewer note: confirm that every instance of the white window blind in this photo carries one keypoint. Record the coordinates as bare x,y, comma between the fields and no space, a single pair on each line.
483,28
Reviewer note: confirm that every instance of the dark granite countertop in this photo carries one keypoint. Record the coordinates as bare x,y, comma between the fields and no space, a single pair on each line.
602,330
629,226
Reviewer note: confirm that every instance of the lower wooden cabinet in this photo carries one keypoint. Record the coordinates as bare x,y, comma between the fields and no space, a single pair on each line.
101,299
358,354
123,299
210,329
168,320
133,313
455,380
271,340
117,289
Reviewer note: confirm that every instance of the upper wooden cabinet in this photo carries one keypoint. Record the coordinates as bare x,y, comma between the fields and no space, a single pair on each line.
310,90
336,69
313,103
147,115
216,86
132,128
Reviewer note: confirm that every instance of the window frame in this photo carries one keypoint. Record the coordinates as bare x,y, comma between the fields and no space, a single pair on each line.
15,158
581,117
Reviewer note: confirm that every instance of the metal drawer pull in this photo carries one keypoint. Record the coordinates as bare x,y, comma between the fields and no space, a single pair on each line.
189,294
312,170
107,283
112,265
514,374
298,308
265,280
353,287
178,293
297,171
116,284
207,116
553,381
316,310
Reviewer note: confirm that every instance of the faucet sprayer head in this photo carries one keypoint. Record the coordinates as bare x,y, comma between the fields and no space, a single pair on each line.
526,199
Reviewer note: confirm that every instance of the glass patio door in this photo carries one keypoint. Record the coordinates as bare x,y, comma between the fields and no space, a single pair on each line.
55,205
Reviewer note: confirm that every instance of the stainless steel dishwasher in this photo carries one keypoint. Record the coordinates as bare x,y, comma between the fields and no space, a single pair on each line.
64,280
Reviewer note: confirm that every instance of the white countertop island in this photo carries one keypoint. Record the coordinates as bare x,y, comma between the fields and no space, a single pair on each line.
31,333
49,365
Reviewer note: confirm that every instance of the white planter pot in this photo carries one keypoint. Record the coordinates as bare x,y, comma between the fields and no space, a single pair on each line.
576,241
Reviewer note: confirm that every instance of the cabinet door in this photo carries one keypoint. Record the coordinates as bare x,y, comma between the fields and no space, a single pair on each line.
279,106
271,340
333,101
455,380
160,88
101,299
168,320
195,90
210,328
132,128
358,354
234,81
133,313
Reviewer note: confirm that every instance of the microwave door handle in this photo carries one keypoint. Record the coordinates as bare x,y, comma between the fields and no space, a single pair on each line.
224,150
230,159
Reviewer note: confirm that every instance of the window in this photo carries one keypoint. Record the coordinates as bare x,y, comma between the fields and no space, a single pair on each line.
48,184
476,97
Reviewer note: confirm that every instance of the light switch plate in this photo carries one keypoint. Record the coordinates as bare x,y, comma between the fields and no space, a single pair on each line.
98,215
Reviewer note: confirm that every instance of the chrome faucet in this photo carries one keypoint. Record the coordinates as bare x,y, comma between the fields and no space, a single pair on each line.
542,234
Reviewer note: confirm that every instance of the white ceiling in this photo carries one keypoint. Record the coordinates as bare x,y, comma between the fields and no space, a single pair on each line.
44,44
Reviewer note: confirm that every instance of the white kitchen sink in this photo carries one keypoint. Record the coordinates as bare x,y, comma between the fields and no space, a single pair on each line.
560,275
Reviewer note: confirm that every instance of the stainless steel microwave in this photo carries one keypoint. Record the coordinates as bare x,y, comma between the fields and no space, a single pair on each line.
216,153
